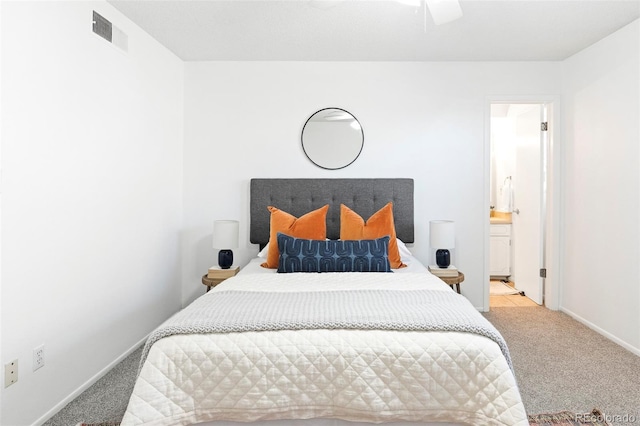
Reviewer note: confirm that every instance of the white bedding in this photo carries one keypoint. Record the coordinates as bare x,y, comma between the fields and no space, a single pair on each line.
354,375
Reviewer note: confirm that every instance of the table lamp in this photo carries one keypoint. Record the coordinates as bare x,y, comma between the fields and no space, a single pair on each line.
442,238
225,238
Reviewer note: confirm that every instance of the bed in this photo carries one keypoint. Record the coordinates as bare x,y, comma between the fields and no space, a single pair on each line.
332,348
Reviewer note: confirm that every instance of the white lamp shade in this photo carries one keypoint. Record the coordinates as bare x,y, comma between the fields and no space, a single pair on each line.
225,234
442,234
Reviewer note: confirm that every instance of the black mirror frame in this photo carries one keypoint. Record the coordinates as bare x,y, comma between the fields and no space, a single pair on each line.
307,154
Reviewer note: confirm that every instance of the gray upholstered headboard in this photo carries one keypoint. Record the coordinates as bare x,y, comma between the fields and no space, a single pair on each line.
300,196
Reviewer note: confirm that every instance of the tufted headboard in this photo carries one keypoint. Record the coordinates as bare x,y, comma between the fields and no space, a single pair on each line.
300,196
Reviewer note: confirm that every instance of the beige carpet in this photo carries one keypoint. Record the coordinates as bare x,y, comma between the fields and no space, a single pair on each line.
562,365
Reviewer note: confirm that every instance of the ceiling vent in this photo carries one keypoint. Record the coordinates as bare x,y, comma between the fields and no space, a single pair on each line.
105,29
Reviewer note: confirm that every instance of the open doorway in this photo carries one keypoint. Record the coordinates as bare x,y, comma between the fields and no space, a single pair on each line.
519,141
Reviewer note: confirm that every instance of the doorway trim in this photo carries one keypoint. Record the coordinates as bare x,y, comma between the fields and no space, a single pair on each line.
552,217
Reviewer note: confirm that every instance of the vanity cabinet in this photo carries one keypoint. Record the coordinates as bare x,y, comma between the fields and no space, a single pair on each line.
500,250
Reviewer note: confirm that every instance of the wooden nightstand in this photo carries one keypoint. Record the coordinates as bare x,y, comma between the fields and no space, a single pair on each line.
218,275
454,280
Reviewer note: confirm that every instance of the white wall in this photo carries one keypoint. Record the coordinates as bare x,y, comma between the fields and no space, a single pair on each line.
420,120
601,88
92,187
1,133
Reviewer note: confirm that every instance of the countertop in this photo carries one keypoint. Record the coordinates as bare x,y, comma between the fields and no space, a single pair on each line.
500,218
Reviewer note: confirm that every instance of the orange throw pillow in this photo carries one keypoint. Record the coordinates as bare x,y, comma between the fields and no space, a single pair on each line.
312,225
353,227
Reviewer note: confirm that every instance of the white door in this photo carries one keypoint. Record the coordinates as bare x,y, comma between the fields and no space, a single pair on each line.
528,236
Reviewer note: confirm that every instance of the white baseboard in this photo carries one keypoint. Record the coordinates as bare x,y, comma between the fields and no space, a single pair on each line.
599,330
86,385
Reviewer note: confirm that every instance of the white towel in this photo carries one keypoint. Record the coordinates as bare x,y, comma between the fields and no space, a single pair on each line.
505,204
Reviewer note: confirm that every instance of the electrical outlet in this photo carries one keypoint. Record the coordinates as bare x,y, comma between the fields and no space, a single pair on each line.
10,373
38,357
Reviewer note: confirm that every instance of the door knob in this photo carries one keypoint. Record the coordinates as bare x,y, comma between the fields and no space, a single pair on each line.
516,211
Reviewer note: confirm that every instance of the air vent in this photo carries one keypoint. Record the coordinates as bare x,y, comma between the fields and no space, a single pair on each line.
110,32
102,27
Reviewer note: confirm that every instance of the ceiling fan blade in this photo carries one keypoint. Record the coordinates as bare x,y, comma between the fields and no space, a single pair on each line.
444,11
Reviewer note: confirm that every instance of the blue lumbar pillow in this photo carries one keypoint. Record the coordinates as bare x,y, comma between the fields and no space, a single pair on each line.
302,255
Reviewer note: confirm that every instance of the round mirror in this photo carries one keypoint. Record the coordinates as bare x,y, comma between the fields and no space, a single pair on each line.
332,138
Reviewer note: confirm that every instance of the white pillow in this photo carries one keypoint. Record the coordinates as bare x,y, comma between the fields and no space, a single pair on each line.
402,248
405,254
264,251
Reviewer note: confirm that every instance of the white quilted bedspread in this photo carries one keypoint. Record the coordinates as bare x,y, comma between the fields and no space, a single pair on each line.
371,376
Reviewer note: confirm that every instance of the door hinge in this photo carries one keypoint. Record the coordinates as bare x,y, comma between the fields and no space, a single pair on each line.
544,126
543,272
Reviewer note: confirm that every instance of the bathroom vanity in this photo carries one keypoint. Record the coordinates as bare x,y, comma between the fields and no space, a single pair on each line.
500,246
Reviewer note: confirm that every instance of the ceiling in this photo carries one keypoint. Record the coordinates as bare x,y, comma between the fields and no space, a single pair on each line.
376,30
